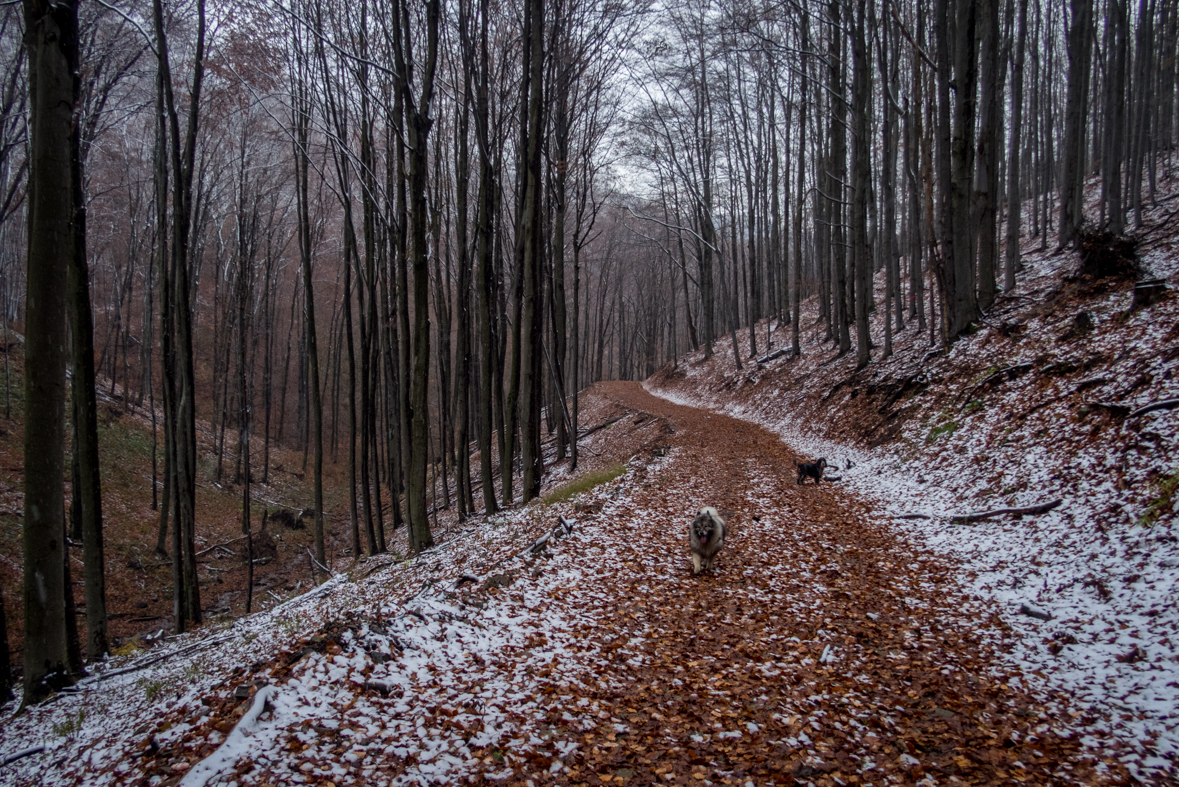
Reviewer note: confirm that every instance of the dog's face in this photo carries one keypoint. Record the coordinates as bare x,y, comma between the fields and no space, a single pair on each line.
703,528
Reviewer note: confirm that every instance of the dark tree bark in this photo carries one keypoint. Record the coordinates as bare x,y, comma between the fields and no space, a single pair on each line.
532,389
302,122
418,123
5,657
1080,37
51,40
1014,162
88,492
834,182
800,193
986,196
476,59
180,393
861,184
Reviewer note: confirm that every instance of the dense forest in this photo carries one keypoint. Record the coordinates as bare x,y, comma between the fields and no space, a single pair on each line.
401,237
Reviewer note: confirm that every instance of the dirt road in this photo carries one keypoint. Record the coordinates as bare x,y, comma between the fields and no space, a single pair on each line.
822,647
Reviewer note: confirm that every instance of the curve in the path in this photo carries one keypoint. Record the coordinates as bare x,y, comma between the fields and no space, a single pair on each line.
822,648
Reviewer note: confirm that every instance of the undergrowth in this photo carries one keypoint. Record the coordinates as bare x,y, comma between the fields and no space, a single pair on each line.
583,483
1164,502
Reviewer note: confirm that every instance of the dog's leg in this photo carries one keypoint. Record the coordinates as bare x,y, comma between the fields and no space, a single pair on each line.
695,563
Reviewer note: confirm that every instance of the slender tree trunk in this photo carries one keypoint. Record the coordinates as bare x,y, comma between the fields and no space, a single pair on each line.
532,234
1072,198
861,183
1014,163
986,196
800,193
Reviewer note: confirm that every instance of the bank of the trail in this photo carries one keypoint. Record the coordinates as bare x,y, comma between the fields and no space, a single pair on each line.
822,649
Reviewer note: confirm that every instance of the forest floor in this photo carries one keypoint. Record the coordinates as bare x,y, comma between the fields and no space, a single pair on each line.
822,649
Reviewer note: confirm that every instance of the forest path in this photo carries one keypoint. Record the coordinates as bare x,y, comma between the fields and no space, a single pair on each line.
821,646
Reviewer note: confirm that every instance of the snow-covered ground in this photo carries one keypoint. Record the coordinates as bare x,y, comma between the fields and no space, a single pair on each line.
446,673
1112,590
1108,579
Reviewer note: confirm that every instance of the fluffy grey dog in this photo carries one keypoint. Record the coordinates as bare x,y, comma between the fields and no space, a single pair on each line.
706,536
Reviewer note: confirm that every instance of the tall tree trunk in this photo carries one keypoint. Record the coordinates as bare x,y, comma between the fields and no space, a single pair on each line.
1072,198
180,398
986,196
311,346
532,234
89,491
800,193
836,178
861,184
1014,163
51,36
417,123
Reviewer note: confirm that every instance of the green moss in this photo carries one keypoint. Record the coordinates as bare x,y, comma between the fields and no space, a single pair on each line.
944,429
1164,502
583,483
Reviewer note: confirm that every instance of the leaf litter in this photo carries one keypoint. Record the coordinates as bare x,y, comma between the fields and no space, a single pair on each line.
822,649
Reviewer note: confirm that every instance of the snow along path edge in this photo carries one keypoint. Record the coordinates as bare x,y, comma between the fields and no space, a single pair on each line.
1116,655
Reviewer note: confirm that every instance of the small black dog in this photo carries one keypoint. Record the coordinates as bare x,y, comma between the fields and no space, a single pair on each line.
810,470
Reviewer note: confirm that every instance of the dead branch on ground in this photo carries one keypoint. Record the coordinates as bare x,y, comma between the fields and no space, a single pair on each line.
1041,508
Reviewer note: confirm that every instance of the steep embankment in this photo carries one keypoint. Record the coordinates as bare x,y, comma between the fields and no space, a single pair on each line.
1038,405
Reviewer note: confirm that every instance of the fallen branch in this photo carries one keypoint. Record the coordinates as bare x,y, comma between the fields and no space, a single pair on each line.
1113,407
20,755
220,546
1041,405
228,753
601,426
319,565
1165,404
1030,611
150,662
1090,383
1011,370
772,356
965,519
914,516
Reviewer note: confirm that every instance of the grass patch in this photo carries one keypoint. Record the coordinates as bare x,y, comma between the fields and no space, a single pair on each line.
1164,502
936,432
122,444
583,483
71,725
152,689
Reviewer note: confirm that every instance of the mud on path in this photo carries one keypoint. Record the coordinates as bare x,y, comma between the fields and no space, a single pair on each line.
822,648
